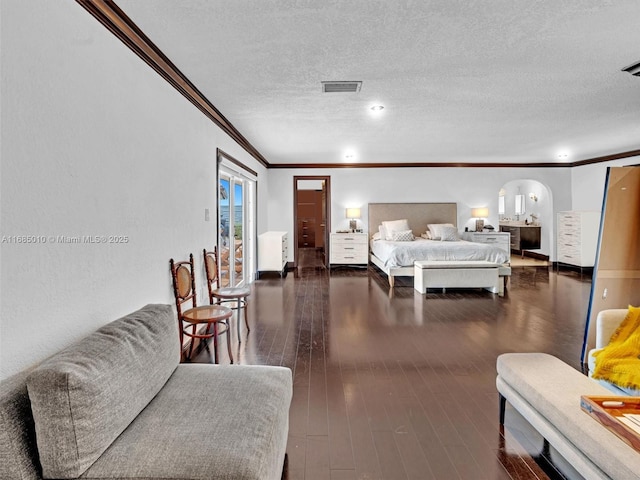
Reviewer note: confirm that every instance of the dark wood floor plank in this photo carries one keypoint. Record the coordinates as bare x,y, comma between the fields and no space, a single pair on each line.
317,465
394,384
340,451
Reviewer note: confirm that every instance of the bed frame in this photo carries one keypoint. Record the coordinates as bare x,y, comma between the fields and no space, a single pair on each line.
418,216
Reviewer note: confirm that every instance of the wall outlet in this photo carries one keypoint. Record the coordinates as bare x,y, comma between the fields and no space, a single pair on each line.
206,214
604,294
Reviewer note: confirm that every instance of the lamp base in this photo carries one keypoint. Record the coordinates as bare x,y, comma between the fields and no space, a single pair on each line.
479,225
353,225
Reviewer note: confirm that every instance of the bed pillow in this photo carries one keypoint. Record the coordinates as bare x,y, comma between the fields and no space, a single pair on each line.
426,235
436,228
403,236
449,234
383,232
376,236
391,226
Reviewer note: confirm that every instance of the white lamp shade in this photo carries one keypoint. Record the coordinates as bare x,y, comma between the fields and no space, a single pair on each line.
353,213
479,212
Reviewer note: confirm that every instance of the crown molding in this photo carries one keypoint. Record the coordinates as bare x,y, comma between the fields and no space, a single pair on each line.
606,158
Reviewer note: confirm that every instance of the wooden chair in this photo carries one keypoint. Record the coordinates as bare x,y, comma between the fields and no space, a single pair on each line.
214,318
219,295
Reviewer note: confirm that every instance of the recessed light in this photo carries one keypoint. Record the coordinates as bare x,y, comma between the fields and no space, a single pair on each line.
349,155
563,155
377,108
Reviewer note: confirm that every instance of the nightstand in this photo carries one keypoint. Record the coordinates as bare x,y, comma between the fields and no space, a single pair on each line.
499,239
348,249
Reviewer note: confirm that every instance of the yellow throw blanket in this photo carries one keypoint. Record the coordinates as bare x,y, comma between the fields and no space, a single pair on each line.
619,361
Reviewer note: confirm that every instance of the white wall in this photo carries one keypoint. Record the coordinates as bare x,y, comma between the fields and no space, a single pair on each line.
468,187
588,183
93,142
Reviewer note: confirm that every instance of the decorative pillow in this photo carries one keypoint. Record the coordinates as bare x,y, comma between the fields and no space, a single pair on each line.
404,236
391,226
435,229
449,234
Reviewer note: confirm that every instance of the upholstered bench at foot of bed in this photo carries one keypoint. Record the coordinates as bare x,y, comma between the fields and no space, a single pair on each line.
546,392
456,274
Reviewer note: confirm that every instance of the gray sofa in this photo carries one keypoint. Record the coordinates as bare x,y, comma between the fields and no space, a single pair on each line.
118,404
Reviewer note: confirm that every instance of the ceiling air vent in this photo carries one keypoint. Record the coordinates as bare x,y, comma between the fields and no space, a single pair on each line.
341,87
633,69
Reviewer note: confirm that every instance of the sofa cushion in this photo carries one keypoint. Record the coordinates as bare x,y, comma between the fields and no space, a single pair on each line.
18,454
209,421
83,397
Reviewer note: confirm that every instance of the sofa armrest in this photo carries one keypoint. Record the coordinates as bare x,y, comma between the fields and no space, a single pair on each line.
607,322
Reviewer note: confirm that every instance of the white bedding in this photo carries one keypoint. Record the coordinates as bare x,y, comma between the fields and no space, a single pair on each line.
402,254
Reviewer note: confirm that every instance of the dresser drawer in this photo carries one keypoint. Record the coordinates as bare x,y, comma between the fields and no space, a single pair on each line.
343,239
349,256
577,237
349,249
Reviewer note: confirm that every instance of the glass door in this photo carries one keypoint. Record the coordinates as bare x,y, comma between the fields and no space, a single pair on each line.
235,219
237,231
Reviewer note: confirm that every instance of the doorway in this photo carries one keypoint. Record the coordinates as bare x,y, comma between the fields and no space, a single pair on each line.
311,202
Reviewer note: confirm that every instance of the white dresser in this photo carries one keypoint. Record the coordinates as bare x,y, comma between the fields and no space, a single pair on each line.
577,240
499,239
348,249
273,252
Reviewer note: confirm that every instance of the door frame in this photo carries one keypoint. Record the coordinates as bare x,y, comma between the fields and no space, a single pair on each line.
327,209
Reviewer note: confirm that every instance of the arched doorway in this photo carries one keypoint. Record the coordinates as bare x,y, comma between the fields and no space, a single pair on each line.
534,201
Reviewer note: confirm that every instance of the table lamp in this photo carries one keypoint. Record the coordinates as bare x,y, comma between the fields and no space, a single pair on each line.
479,214
353,214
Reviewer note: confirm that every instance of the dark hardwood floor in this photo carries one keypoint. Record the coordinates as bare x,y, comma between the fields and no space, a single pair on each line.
398,385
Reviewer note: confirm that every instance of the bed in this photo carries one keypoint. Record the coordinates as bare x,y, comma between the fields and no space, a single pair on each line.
396,258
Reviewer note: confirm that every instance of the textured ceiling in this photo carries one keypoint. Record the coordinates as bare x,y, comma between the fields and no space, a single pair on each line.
513,81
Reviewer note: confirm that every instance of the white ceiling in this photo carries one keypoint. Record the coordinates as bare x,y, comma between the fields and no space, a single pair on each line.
508,81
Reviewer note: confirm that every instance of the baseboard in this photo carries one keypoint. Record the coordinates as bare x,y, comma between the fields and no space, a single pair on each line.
574,268
527,253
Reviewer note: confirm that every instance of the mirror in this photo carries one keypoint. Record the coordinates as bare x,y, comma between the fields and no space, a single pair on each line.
519,205
616,276
501,205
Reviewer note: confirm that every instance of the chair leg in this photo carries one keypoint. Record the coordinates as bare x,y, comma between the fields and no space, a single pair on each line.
193,331
246,315
238,319
229,342
215,342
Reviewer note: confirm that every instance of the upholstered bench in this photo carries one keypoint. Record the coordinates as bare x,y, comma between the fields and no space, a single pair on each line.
546,392
456,274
